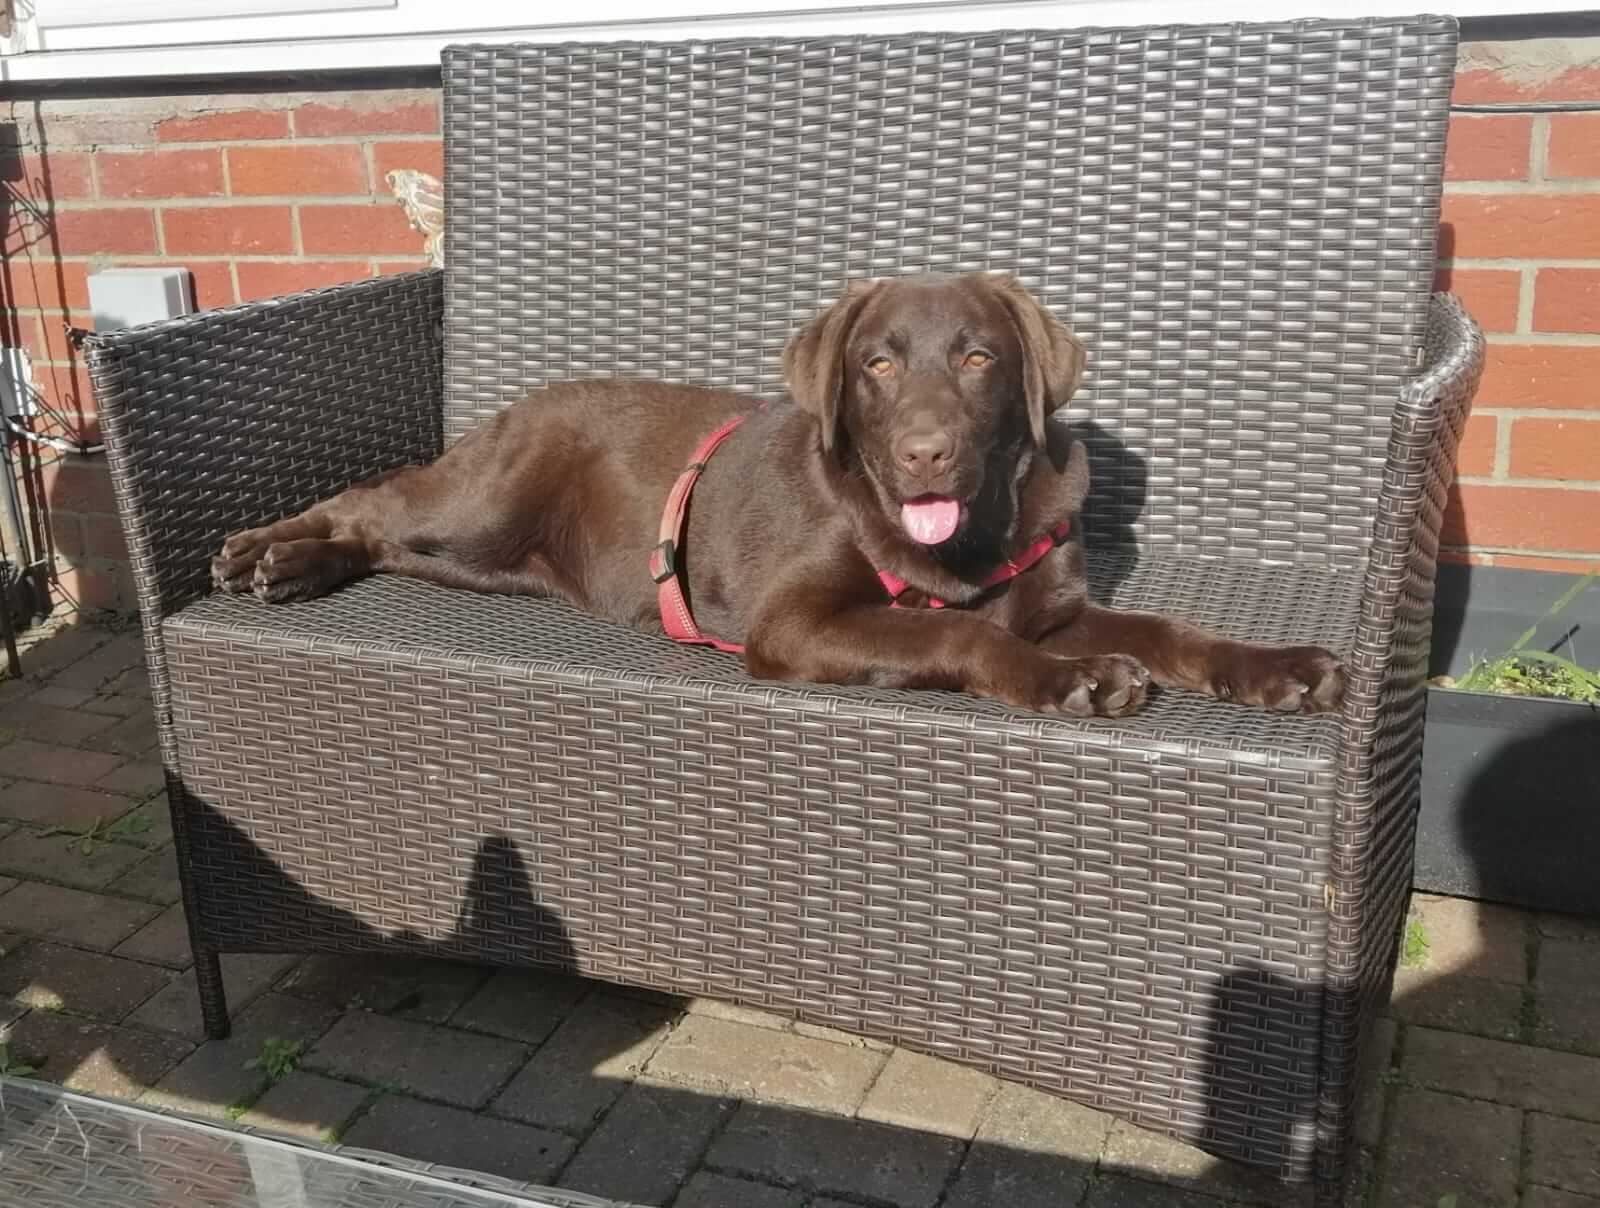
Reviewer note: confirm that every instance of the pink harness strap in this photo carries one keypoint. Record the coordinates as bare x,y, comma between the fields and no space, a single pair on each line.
678,621
896,586
676,618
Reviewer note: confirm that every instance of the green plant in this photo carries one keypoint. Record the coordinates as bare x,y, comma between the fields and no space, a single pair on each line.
1414,953
14,1066
1447,1201
102,831
277,1058
1523,672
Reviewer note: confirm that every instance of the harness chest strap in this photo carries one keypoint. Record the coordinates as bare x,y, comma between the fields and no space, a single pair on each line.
678,621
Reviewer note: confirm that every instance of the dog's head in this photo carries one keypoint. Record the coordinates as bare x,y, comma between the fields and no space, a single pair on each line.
936,387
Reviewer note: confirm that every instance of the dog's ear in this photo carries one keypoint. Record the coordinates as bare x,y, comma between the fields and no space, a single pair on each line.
1053,357
813,362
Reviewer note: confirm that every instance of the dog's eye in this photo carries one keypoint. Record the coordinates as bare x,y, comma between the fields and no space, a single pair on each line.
978,359
880,366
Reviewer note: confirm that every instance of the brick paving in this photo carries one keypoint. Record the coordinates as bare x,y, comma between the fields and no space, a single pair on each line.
1482,1087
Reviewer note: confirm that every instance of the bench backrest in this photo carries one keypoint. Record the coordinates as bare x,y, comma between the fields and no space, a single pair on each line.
1240,221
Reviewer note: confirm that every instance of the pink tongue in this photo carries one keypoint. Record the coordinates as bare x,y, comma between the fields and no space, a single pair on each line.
931,520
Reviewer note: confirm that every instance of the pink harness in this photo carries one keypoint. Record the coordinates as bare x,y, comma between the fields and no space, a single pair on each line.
678,621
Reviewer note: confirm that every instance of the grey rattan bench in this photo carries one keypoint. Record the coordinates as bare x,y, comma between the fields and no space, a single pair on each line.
1184,917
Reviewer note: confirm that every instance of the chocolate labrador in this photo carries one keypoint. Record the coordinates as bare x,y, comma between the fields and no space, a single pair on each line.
911,523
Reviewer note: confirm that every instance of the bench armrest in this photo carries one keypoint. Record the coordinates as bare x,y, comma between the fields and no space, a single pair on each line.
1386,695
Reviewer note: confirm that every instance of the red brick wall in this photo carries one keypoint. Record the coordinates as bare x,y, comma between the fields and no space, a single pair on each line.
1520,242
259,195
256,195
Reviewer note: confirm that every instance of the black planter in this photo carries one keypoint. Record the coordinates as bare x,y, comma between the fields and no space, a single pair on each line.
1510,784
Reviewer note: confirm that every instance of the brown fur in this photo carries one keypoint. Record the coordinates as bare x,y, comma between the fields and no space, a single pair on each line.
561,494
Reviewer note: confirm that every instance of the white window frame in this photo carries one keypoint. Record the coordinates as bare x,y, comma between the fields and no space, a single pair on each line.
108,39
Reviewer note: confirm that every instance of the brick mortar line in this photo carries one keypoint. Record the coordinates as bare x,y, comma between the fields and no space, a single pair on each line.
223,144
1508,262
1525,288
1502,447
1584,486
1539,148
1542,339
226,201
1519,412
1559,187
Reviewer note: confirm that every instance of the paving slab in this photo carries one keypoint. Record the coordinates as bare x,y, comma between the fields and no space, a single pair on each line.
521,1004
1457,1003
1472,939
707,1190
407,987
1441,1145
74,916
96,669
50,977
1546,1080
1143,1154
835,1155
1569,927
428,1132
1568,1021
59,805
1032,1150
734,1013
1549,1197
439,1063
1564,1154
33,760
132,735
177,1007
1377,1056
96,1058
1115,1191
306,1105
43,721
154,878
164,940
647,1145
587,1063
61,649
142,779
1568,966
33,853
154,820
925,1093
738,1060
216,1077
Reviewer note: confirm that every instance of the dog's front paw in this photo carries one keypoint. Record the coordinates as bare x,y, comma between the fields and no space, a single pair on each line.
1287,679
233,569
1111,685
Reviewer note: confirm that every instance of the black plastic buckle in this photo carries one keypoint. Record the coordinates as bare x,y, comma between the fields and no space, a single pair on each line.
663,565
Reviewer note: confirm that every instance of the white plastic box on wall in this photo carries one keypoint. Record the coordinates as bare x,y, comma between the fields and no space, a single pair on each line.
124,297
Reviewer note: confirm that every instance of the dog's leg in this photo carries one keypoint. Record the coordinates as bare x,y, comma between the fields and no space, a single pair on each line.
233,569
1303,679
917,648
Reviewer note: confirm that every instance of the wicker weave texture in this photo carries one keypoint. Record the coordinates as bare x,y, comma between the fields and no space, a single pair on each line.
1085,907
1239,221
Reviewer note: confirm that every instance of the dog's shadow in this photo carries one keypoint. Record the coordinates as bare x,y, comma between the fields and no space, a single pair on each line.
1118,485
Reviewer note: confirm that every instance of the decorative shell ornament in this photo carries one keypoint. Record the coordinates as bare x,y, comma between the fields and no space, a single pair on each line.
422,198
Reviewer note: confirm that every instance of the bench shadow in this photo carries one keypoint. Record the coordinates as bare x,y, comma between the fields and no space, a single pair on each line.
500,922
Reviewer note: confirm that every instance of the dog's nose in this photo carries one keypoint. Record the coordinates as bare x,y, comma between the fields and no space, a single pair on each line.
925,453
